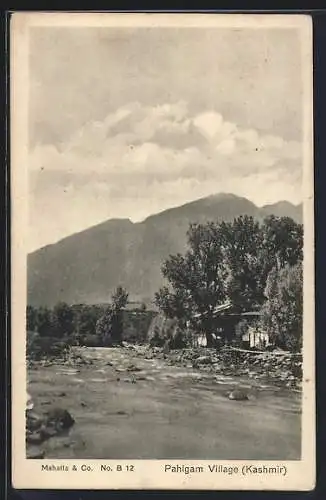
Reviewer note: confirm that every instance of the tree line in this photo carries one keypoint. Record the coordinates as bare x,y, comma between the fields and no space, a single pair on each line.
91,325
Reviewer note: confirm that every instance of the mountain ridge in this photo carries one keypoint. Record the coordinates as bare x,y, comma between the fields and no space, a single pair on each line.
85,267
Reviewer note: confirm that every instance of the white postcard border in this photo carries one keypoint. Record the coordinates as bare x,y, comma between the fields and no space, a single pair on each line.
149,474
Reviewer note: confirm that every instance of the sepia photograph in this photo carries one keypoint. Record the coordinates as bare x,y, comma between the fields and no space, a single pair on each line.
163,277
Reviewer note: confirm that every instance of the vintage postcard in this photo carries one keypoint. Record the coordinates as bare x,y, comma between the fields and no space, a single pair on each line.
162,251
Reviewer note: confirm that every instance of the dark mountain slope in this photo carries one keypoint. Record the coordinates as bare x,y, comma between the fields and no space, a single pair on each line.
87,266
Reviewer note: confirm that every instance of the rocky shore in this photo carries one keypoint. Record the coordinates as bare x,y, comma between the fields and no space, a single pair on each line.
277,367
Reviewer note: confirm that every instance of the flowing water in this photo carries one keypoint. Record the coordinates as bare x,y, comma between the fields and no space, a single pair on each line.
129,407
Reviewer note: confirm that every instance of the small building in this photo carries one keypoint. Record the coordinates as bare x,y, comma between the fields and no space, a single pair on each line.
226,318
201,341
253,337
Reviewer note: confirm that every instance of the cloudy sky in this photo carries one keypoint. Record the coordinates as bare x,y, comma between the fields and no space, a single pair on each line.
129,122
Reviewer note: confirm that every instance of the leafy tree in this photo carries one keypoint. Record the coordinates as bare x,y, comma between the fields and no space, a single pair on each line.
197,279
119,299
283,242
110,326
242,251
31,319
87,319
282,312
45,323
63,318
174,304
226,261
252,250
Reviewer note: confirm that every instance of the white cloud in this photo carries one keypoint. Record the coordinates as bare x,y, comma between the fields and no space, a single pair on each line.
209,123
143,159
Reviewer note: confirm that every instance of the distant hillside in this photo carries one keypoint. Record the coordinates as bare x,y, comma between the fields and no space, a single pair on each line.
283,208
87,266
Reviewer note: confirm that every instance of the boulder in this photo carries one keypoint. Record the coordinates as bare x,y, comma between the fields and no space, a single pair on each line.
238,395
33,421
203,360
34,452
48,432
133,368
59,418
34,438
29,402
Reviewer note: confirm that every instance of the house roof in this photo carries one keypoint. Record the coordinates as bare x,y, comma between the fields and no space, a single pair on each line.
251,313
226,307
221,308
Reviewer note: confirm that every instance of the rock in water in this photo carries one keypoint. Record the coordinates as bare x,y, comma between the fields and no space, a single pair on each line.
204,360
34,452
29,402
238,395
33,421
59,419
133,368
34,438
48,432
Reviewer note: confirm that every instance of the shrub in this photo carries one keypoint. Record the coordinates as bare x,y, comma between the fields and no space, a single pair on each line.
45,322
136,324
179,338
45,347
91,341
86,320
63,319
156,339
110,325
282,312
168,332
